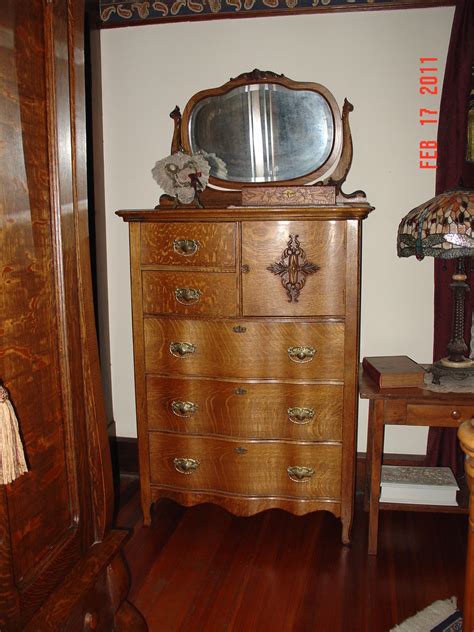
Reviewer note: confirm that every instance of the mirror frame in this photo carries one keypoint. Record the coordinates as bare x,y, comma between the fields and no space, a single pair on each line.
181,138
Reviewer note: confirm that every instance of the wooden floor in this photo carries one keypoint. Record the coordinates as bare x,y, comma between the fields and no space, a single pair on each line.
203,570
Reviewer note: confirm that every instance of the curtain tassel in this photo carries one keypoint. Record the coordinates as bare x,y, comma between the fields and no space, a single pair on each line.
12,457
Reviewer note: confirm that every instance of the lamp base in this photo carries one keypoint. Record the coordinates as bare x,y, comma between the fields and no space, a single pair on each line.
458,371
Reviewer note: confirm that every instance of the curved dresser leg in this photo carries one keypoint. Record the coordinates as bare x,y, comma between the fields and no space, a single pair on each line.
126,617
346,531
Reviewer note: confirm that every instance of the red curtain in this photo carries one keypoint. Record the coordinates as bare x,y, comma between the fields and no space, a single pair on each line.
453,170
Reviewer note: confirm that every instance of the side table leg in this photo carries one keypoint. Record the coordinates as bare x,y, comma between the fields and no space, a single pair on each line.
376,450
368,455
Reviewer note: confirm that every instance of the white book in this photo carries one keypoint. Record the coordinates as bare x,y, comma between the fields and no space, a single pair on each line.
418,485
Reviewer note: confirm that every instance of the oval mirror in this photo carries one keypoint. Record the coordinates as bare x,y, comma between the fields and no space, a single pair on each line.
266,130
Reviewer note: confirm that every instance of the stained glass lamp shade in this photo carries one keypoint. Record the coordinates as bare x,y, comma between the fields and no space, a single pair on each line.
443,227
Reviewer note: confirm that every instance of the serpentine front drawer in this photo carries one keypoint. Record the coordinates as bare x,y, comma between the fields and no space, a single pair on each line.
242,349
246,467
311,412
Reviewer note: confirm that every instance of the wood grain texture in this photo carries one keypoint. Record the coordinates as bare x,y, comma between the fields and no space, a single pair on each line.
258,410
351,361
438,415
279,571
54,518
237,213
40,505
406,406
260,352
207,377
260,469
215,244
263,244
217,293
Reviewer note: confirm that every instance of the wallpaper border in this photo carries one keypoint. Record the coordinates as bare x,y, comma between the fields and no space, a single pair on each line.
130,13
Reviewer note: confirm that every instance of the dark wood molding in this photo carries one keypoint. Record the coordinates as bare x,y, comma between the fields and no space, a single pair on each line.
118,13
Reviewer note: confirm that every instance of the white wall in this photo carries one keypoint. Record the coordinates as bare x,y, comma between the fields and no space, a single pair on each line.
372,58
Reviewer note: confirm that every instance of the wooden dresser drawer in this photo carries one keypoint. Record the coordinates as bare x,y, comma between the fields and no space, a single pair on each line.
438,414
261,410
321,243
189,293
244,349
188,245
244,467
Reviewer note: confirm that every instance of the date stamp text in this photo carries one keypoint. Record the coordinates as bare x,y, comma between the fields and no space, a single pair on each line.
428,86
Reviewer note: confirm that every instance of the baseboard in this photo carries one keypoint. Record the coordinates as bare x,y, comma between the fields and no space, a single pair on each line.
125,454
125,451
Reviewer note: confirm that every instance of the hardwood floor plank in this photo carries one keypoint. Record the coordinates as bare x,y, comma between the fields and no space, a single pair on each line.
204,570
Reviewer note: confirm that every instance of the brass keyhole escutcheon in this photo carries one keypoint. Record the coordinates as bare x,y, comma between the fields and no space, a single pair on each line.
238,329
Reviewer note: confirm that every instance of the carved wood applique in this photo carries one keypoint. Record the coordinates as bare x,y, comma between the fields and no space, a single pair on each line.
293,268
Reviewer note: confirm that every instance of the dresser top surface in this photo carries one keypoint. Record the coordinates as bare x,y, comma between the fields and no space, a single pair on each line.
337,212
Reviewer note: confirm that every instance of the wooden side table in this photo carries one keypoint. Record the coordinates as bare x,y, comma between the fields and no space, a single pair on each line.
410,407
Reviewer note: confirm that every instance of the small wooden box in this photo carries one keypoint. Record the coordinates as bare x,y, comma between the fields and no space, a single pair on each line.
289,196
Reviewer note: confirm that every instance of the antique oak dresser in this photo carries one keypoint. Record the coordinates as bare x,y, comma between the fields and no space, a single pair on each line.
246,317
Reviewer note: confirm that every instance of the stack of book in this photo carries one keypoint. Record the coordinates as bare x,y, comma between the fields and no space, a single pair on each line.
418,485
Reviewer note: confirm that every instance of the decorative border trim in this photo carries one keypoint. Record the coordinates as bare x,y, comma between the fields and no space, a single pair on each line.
128,12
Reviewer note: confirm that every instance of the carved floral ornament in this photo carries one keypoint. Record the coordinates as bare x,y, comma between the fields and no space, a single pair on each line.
119,12
293,268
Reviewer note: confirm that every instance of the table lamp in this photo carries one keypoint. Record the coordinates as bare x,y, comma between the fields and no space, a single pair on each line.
443,227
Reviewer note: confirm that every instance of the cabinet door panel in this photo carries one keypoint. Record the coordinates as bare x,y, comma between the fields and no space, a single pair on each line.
242,349
311,412
263,245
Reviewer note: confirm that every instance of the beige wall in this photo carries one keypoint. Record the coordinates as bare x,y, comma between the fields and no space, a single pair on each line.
370,57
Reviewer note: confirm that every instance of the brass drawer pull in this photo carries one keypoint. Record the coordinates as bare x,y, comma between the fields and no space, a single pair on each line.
300,415
300,474
183,409
186,465
181,349
186,247
240,450
301,354
187,295
240,391
456,414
